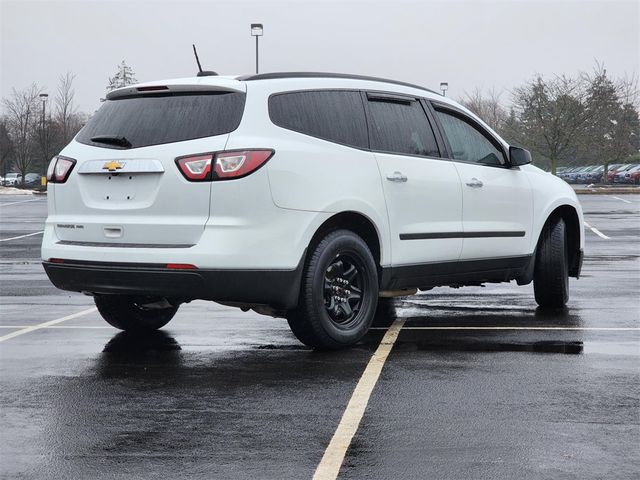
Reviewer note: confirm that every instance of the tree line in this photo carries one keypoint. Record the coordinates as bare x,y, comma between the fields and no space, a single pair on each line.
587,119
35,126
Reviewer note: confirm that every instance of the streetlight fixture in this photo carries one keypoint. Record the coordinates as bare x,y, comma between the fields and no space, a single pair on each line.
444,86
256,31
43,137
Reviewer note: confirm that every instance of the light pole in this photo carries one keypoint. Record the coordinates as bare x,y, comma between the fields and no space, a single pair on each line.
256,31
444,86
43,136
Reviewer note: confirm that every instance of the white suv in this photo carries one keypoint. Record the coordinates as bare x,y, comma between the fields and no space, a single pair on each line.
303,195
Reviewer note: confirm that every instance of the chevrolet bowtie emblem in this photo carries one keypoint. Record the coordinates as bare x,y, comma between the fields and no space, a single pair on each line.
113,165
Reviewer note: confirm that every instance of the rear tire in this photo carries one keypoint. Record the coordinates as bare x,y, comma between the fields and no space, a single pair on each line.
128,313
551,274
338,293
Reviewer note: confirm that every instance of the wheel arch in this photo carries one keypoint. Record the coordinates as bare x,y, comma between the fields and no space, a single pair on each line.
571,218
356,222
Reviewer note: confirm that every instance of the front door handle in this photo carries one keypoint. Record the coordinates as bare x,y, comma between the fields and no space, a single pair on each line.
396,177
475,183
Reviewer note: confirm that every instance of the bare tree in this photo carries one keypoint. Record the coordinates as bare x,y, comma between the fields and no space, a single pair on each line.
22,124
65,110
487,107
6,147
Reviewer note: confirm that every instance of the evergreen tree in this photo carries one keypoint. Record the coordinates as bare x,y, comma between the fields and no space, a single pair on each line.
612,132
123,77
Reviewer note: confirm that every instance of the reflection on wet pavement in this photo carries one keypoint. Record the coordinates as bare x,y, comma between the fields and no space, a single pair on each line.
141,343
434,313
444,343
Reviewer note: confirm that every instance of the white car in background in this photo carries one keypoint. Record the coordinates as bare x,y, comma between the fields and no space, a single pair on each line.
303,195
12,179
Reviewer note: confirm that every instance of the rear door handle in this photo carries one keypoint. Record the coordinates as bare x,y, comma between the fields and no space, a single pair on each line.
475,183
396,177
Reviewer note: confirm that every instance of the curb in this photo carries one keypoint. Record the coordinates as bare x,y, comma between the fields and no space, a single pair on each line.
605,190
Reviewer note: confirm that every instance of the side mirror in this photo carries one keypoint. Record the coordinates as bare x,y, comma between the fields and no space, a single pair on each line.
519,156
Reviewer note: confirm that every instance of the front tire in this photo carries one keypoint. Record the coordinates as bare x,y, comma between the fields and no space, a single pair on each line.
551,274
338,293
130,314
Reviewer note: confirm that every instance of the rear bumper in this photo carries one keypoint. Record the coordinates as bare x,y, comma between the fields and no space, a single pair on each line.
278,288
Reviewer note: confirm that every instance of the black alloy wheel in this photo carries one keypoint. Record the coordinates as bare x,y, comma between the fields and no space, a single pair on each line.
343,283
338,293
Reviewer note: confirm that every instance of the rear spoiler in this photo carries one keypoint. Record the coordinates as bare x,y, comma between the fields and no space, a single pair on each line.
222,85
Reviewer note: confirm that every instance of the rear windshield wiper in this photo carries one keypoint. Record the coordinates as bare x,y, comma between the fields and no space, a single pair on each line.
118,140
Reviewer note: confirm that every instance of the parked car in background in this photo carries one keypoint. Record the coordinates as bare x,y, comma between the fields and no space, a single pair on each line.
620,169
583,175
620,175
12,180
572,177
632,175
563,172
31,180
612,168
594,175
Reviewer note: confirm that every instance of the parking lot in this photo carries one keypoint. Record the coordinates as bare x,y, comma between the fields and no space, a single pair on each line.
478,384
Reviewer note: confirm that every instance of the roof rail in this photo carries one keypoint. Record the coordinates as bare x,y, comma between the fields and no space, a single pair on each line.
277,75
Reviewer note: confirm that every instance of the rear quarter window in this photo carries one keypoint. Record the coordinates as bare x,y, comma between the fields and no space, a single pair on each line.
334,115
156,119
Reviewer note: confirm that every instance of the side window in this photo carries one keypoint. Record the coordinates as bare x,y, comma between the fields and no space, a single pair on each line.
333,115
401,127
468,143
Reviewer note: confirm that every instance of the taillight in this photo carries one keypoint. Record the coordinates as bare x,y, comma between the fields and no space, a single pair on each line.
227,165
239,163
196,168
59,169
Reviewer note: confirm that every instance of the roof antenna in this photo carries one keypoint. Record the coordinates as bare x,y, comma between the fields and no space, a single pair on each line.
201,73
195,52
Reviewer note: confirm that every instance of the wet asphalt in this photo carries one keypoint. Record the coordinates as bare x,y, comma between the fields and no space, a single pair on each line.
219,393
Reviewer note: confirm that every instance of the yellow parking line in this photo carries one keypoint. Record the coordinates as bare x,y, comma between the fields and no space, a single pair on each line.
46,324
333,457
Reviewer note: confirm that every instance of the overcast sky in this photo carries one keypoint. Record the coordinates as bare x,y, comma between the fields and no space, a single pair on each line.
467,43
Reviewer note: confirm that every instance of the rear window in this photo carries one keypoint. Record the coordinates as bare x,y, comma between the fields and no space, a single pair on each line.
333,115
156,119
